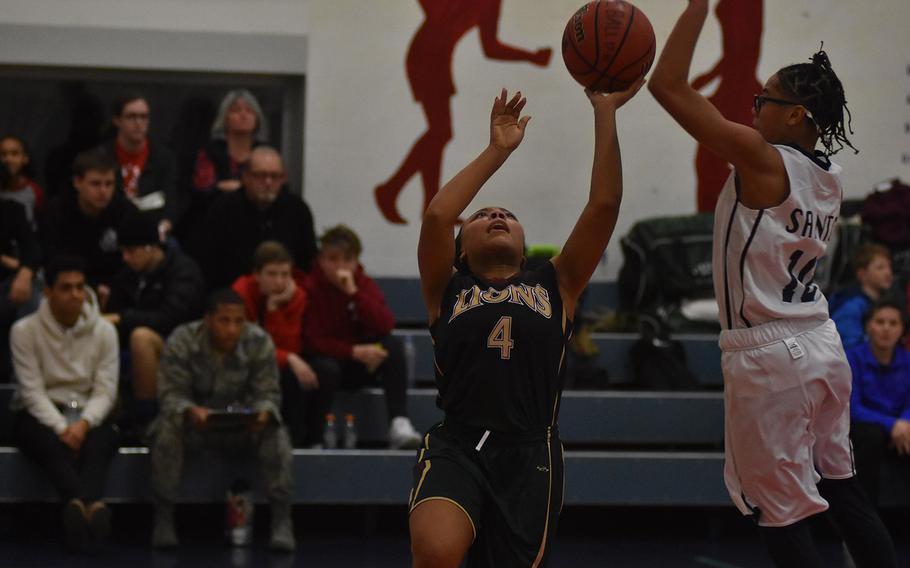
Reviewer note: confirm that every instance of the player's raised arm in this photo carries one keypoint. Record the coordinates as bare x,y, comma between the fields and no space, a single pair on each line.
757,163
584,247
436,248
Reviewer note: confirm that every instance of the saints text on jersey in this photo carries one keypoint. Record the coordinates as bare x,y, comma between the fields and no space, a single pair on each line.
536,298
810,222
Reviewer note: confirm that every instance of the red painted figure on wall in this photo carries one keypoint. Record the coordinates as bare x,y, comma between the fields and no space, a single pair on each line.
741,23
429,70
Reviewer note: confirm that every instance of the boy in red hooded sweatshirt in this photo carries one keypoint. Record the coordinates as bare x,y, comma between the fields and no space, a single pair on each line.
274,301
348,333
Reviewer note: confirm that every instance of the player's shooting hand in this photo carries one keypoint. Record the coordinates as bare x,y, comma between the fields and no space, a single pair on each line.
304,374
370,355
900,435
613,100
507,126
199,417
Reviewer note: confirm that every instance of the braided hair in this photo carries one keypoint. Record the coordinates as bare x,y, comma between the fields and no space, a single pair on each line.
817,88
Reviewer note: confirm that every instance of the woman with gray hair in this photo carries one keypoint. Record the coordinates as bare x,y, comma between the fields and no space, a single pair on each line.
238,128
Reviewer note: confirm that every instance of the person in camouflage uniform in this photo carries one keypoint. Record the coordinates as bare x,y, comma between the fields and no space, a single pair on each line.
211,364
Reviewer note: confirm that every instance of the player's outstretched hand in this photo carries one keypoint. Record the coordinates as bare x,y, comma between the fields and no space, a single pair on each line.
507,126
614,100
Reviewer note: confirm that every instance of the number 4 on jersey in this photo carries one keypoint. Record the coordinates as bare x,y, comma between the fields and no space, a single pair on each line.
501,337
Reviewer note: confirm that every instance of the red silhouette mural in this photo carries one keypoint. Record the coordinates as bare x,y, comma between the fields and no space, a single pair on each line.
741,24
429,69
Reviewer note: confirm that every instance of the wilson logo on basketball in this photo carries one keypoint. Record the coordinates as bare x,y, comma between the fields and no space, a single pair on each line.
579,27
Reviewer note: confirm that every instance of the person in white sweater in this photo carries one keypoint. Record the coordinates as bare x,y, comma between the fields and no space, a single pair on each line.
66,362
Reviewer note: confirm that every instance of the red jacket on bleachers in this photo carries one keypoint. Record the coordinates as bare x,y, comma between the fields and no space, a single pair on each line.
335,322
284,325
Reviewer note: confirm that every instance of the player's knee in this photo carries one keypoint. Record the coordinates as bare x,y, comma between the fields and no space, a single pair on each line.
144,338
429,552
435,541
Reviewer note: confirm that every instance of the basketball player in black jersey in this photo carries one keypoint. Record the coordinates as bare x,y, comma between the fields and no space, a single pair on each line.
489,482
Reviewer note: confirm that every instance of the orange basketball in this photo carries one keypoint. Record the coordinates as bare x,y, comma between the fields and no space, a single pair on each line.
607,45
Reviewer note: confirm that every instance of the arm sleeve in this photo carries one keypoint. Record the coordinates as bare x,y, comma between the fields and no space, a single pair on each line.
175,393
169,186
859,412
849,321
204,178
31,383
264,379
104,382
375,314
25,238
184,289
306,248
316,342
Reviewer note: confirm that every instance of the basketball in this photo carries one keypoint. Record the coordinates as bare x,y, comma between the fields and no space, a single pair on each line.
607,45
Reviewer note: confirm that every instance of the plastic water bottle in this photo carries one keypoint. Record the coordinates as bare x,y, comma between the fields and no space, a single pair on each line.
329,434
410,358
72,411
349,435
239,513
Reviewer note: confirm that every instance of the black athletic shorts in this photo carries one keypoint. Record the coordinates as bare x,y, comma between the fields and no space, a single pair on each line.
511,489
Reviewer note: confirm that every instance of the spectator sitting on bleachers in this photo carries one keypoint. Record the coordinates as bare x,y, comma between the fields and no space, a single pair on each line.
872,266
84,222
880,401
148,171
213,364
18,263
262,210
156,291
15,182
274,301
66,363
348,332
238,128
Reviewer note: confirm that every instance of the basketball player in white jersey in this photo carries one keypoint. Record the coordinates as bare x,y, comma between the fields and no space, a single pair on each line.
786,378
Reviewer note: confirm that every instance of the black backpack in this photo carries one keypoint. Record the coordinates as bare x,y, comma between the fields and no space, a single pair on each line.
666,260
887,213
659,362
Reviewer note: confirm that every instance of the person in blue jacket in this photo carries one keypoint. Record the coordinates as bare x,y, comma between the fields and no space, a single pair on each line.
880,402
872,266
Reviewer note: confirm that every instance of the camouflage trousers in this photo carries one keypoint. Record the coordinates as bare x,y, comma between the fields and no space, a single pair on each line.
175,437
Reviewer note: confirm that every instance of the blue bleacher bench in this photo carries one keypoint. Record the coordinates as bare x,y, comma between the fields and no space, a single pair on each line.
676,459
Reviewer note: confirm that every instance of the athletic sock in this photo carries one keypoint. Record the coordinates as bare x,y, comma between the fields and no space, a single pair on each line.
863,531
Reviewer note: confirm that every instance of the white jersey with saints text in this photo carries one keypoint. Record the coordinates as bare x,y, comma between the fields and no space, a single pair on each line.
764,259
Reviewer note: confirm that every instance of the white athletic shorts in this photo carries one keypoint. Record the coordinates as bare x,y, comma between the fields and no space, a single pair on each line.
787,417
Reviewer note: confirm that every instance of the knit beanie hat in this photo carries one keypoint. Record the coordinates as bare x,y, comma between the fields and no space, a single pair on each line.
138,229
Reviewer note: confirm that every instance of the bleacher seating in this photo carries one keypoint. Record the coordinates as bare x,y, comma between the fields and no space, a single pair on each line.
654,448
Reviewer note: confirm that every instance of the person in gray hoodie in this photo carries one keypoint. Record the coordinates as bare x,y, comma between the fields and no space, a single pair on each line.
65,357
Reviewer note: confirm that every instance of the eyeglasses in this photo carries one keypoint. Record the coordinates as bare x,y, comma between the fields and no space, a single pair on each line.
759,101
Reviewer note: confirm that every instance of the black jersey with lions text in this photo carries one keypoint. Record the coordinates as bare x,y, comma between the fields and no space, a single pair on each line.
500,350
